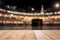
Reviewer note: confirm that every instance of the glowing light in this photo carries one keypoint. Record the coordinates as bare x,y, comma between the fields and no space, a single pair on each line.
11,14
32,9
0,14
59,12
5,15
55,12
57,5
8,6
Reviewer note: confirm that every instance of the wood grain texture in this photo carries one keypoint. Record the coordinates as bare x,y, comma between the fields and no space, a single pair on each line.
29,34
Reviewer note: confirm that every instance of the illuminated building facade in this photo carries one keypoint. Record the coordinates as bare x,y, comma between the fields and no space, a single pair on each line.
13,17
42,10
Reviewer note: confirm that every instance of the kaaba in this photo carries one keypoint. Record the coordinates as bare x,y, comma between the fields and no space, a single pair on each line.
37,23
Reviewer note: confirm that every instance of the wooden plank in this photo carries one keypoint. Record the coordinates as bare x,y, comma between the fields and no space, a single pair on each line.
29,34
6,34
40,35
52,34
17,35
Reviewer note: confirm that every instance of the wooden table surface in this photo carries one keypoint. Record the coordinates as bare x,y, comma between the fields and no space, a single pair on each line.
29,34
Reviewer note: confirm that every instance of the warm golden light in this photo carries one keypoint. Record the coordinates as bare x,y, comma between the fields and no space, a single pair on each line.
11,14
57,5
0,14
5,15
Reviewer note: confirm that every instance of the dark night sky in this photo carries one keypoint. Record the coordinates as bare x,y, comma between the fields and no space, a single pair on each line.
32,3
